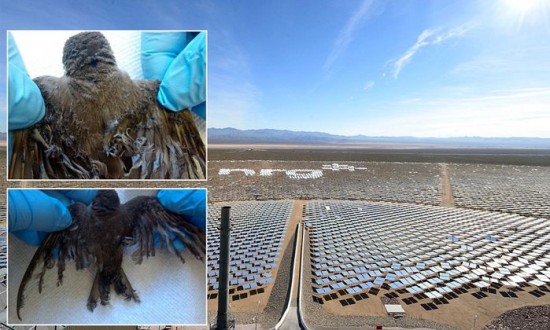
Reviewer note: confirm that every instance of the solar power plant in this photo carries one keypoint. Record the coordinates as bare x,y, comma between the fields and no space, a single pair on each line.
257,233
417,183
514,189
423,254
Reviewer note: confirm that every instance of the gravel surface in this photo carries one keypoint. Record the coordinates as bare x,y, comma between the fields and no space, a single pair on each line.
531,317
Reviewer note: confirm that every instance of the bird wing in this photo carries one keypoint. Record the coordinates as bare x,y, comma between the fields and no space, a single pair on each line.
58,247
115,129
155,143
147,218
50,148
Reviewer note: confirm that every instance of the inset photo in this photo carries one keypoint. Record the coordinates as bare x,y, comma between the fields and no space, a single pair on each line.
123,105
107,257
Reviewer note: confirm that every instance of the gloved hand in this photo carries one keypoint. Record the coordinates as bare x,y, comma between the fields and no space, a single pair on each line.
25,102
188,202
33,213
178,60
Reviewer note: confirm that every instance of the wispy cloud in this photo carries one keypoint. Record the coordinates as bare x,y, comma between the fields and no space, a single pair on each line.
347,34
428,37
368,85
513,112
527,61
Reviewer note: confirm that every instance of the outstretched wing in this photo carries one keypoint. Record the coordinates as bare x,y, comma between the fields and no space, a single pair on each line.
147,216
114,129
58,247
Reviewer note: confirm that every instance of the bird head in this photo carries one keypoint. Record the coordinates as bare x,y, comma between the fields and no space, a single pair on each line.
105,201
87,53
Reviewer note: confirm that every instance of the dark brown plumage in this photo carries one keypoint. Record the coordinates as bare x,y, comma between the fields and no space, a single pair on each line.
100,124
98,236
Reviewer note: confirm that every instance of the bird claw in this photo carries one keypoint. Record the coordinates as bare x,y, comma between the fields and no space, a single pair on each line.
91,305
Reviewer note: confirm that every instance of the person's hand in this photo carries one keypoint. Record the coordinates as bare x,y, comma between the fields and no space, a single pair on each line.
178,60
25,102
190,203
33,213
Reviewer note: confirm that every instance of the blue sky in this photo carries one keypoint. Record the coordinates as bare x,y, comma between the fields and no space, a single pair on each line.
381,68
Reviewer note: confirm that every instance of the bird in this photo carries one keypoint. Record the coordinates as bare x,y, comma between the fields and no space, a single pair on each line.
101,124
98,236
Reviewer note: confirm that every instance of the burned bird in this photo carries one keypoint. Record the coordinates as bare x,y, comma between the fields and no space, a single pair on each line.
101,124
98,236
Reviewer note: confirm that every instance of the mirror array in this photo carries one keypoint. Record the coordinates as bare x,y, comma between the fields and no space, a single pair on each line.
423,254
257,234
417,183
522,190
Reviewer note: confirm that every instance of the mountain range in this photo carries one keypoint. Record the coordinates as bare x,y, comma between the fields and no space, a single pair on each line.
230,135
273,136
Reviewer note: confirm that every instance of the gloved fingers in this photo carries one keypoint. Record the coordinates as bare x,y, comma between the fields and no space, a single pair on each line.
25,103
187,202
69,196
34,210
200,110
31,237
14,56
184,82
161,243
81,195
159,49
179,245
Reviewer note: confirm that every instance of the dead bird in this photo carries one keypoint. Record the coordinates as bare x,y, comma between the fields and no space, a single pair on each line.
101,124
97,237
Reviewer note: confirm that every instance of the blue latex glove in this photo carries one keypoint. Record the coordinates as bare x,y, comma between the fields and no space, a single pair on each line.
25,102
188,202
33,213
178,60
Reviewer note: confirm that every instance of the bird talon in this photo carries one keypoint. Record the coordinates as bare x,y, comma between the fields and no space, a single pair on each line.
91,305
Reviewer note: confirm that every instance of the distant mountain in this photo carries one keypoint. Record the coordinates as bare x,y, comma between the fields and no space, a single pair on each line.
273,136
3,135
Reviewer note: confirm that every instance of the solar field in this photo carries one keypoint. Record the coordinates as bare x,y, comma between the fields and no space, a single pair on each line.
257,238
423,257
379,233
503,188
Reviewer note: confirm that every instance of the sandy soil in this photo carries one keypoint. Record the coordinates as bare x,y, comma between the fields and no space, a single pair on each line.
378,153
446,190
